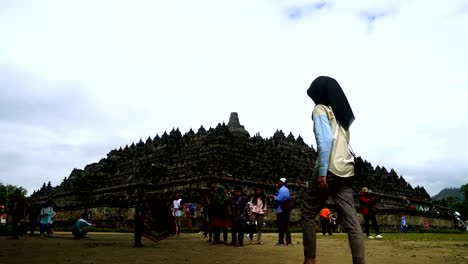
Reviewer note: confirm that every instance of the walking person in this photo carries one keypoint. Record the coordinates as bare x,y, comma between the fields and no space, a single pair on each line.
334,169
258,208
368,209
177,212
47,213
282,216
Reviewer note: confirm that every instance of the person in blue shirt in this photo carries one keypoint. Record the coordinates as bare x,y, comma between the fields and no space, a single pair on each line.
282,216
81,227
403,225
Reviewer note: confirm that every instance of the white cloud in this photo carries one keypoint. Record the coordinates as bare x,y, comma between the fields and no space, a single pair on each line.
143,67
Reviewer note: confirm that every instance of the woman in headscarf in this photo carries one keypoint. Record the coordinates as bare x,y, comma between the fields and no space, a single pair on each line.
219,214
334,169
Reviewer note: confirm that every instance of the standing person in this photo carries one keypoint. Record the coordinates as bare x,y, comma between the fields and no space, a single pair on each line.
189,215
34,214
47,212
403,225
282,216
18,211
426,224
238,217
325,221
368,210
141,217
225,230
332,116
207,209
258,207
219,215
82,227
177,212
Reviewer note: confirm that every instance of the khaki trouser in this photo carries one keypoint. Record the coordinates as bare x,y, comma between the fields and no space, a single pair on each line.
341,192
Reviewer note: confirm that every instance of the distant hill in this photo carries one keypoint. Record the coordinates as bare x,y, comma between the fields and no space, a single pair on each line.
448,192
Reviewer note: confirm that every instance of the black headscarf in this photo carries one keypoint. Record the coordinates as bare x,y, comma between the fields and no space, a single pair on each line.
326,91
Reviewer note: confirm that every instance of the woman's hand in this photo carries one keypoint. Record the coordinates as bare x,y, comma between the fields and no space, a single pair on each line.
322,182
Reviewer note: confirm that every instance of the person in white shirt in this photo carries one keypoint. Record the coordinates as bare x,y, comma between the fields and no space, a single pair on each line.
177,212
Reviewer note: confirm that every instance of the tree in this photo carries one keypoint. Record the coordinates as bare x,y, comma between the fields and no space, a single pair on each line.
457,204
464,204
7,190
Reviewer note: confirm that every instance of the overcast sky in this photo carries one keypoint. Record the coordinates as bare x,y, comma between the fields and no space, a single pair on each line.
80,78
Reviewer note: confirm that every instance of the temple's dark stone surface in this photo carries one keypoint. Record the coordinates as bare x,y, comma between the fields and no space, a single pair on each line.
190,163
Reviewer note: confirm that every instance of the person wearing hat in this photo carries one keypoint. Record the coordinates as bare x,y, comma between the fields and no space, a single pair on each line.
334,168
368,210
282,216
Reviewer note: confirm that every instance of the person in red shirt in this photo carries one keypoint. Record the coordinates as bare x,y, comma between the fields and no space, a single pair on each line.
368,209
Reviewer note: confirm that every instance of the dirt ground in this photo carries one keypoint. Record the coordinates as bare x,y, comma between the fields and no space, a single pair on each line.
192,248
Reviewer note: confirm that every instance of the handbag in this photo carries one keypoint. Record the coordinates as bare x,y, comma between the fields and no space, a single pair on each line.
360,169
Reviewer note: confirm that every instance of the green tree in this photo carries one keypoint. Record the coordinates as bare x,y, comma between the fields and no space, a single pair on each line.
463,209
7,190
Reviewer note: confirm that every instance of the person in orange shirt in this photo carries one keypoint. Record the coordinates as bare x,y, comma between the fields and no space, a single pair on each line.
325,220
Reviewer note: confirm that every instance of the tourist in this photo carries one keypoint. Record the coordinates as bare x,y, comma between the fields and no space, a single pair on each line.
47,212
282,215
229,194
406,203
81,227
403,225
238,217
335,226
258,207
325,221
189,211
34,215
332,175
141,218
228,191
207,204
177,213
219,215
426,224
368,209
18,211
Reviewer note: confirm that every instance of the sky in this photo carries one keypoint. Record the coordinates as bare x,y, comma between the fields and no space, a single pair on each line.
80,78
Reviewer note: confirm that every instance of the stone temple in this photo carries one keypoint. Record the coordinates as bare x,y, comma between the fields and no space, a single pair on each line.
191,163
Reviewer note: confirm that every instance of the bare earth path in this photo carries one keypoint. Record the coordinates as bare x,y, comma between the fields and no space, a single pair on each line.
192,248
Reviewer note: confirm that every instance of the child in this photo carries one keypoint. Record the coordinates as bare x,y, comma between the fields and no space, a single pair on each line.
238,217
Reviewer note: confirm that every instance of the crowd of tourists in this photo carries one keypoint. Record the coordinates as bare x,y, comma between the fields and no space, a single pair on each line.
244,215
